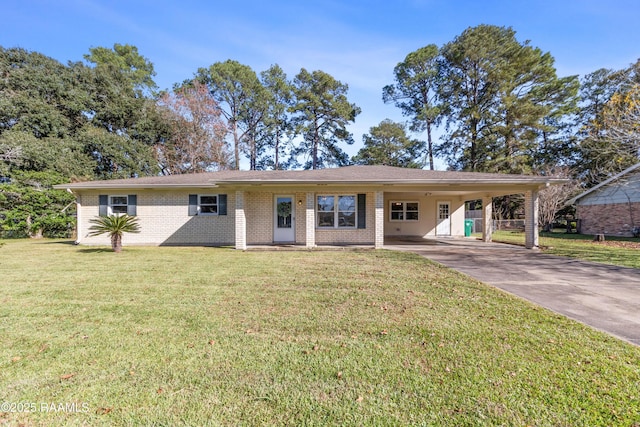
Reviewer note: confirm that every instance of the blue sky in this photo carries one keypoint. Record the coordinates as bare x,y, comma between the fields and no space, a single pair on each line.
358,42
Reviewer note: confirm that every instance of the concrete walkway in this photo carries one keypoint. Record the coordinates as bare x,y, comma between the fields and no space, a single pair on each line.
602,296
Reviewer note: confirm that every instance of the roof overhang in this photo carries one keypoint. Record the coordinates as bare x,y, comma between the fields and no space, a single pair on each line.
380,178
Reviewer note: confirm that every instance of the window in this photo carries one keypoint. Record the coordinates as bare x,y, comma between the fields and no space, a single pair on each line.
207,204
336,211
117,204
404,211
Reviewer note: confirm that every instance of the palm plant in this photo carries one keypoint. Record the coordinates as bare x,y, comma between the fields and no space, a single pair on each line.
115,226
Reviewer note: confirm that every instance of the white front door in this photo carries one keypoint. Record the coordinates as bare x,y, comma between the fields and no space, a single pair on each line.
284,225
443,226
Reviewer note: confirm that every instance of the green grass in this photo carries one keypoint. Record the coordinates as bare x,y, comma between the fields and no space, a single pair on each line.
205,336
580,246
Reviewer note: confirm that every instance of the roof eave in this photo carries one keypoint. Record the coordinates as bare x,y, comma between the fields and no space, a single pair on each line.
404,182
132,186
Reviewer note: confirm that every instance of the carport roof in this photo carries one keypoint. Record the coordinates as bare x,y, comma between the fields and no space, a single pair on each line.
345,175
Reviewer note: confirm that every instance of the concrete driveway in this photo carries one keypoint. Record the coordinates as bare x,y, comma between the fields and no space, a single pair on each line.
602,296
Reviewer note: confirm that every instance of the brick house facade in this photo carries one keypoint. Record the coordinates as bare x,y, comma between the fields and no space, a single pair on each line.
612,207
354,205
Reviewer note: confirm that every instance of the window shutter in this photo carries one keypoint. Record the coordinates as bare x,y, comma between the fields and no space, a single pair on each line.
222,204
193,204
362,211
132,201
103,201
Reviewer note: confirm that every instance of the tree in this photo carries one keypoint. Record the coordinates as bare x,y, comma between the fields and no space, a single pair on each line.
621,118
61,105
277,130
498,90
117,156
115,226
552,198
196,141
242,100
388,144
322,113
40,95
119,86
417,92
127,60
608,133
22,151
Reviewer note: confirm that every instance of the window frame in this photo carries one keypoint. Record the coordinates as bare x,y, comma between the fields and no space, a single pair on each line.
337,212
404,210
110,204
216,204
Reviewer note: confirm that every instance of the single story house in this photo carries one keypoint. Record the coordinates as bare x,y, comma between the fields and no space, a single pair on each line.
611,207
354,205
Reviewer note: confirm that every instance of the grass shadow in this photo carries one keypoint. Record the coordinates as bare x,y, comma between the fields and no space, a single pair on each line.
94,250
61,242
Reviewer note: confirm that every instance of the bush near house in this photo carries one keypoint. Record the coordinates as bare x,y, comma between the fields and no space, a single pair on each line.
30,207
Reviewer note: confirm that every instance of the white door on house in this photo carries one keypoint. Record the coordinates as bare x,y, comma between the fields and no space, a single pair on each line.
284,226
443,225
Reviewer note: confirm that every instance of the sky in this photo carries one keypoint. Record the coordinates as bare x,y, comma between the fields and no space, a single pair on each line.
358,42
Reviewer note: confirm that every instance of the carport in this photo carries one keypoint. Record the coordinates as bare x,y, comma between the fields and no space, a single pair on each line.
444,195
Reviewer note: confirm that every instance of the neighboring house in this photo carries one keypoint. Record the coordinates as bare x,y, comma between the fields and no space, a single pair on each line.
354,205
611,207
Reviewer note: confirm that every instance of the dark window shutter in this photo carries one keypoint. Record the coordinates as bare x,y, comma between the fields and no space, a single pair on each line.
103,201
193,204
222,204
362,211
132,202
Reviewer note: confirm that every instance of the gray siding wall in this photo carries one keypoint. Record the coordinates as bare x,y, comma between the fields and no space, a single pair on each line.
624,190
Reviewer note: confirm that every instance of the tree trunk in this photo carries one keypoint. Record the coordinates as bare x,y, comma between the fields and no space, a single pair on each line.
429,146
116,243
598,238
236,146
314,155
276,159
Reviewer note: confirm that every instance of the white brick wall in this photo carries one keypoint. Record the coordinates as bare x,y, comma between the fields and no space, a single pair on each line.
164,220
259,214
338,236
531,219
309,219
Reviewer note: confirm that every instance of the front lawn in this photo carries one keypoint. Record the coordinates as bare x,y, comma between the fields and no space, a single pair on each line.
204,336
623,251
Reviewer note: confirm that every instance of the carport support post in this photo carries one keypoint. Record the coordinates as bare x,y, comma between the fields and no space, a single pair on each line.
310,221
487,218
241,222
531,219
379,218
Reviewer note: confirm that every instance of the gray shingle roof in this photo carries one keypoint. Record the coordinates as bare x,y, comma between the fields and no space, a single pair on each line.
348,174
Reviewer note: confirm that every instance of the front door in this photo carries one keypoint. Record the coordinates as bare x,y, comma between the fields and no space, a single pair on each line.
284,229
443,226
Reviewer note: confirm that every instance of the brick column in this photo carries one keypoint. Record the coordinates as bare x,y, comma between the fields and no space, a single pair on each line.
531,219
241,222
310,224
487,218
379,220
